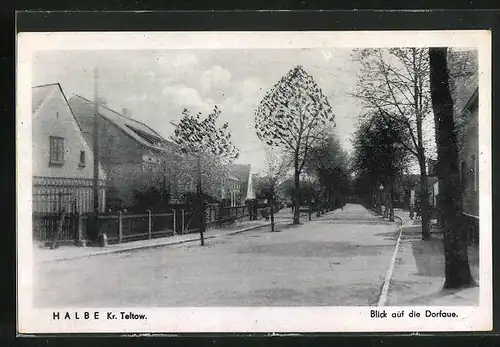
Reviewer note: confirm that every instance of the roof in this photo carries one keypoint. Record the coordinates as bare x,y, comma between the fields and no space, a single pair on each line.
39,94
242,173
473,101
138,131
232,178
466,82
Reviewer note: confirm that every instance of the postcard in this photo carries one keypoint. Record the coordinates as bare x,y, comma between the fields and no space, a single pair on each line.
254,182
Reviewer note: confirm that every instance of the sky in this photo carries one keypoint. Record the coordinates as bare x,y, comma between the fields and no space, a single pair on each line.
157,85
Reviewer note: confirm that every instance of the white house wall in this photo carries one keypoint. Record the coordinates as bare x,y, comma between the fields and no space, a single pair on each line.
54,118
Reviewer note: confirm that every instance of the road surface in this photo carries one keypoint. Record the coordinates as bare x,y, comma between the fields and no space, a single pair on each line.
338,259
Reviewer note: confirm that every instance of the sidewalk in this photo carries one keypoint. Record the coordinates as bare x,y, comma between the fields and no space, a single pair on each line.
43,255
418,276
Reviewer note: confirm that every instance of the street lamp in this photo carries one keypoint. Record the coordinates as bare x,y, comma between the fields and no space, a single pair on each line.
317,191
381,189
96,233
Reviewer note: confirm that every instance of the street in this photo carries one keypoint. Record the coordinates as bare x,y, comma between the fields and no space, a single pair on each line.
338,259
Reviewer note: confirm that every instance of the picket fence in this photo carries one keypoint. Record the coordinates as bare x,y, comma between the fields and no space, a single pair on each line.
123,226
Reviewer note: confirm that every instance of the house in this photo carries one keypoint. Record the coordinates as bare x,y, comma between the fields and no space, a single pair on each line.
135,157
242,172
62,162
469,156
433,191
465,93
410,190
468,143
230,191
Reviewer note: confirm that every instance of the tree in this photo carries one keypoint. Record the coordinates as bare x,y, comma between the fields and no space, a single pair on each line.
201,138
329,163
381,157
394,83
457,270
277,165
293,116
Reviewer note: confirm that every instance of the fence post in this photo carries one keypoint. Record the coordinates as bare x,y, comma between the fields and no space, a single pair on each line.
149,224
182,221
79,235
173,222
120,227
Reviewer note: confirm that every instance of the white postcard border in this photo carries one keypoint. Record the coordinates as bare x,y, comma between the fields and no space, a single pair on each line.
255,319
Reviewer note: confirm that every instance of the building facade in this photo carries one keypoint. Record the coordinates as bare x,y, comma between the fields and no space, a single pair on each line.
242,172
469,157
134,156
62,162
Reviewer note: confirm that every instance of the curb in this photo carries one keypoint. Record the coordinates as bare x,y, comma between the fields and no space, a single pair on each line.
246,229
400,219
172,243
387,281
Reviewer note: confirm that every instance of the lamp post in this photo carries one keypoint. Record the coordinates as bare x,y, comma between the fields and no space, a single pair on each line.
317,191
381,190
95,234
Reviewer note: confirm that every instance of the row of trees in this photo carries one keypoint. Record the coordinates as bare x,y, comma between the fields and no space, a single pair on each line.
400,88
379,160
405,92
295,120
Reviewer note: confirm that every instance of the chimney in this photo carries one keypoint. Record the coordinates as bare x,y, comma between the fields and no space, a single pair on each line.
126,112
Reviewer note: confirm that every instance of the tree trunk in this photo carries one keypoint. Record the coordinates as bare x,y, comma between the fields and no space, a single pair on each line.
296,207
424,194
391,196
424,200
457,270
386,204
201,204
272,212
310,209
370,199
319,208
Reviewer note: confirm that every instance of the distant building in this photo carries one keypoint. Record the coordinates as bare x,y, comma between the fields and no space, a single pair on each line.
134,156
242,172
230,191
431,167
62,161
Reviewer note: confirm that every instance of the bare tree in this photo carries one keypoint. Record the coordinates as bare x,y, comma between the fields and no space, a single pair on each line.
457,270
201,138
394,83
293,116
277,166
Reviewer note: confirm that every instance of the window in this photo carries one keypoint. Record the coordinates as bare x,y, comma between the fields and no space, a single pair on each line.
463,175
82,158
473,172
56,150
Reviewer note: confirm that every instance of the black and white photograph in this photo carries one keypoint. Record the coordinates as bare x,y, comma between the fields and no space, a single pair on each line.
254,182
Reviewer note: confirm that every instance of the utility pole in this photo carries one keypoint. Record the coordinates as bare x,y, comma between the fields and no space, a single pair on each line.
95,234
201,201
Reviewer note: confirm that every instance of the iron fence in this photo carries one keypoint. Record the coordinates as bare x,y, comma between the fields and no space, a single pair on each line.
122,226
51,194
45,226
